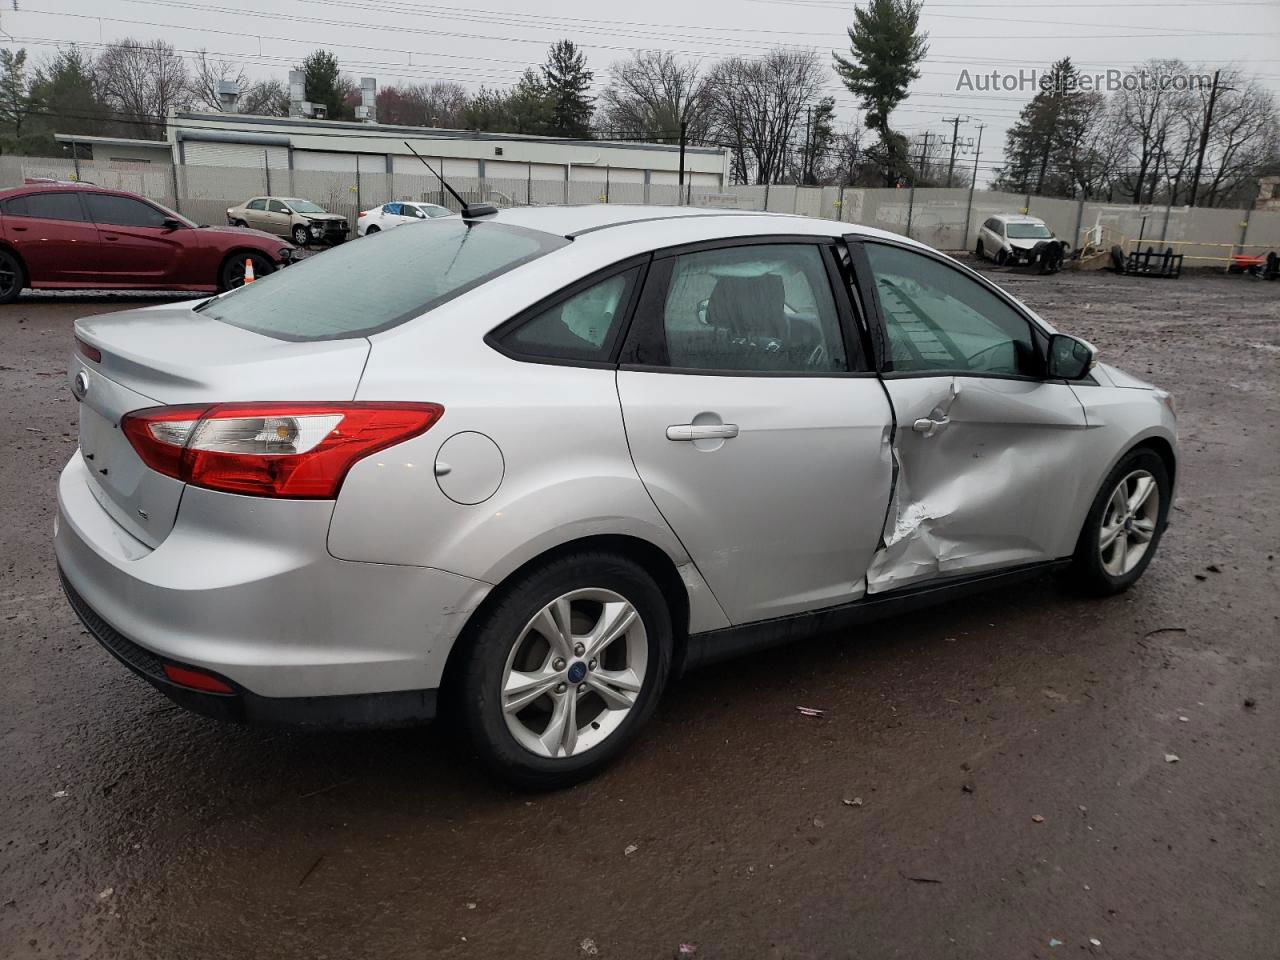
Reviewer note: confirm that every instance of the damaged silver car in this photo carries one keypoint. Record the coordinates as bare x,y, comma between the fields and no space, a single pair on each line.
562,454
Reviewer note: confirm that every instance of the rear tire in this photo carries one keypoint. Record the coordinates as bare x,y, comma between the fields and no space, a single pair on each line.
232,273
542,707
372,230
1124,525
13,278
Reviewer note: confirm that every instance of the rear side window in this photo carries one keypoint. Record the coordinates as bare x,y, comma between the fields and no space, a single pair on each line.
363,288
47,206
123,211
582,326
256,205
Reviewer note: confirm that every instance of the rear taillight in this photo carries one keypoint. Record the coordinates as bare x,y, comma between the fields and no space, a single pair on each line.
363,213
93,353
300,450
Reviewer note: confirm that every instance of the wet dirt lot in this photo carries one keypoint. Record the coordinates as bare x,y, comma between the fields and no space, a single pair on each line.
1004,757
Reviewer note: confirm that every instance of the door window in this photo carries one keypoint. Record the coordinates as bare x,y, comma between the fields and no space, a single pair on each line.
123,211
275,206
937,318
47,206
391,209
258,204
766,308
580,327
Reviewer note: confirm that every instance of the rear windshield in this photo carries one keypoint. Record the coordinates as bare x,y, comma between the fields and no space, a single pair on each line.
375,283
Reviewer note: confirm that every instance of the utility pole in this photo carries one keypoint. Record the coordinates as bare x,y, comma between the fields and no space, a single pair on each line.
924,150
968,213
1204,138
684,129
955,136
804,154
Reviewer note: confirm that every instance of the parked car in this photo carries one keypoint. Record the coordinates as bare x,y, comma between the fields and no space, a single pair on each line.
394,214
69,235
535,465
1009,238
301,221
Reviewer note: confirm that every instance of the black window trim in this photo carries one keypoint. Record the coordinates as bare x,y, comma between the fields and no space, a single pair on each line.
494,338
862,268
660,272
77,193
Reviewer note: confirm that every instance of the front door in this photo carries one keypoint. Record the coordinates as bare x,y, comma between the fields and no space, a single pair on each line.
756,426
986,447
136,245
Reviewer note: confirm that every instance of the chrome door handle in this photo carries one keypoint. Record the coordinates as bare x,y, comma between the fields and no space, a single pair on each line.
702,431
929,427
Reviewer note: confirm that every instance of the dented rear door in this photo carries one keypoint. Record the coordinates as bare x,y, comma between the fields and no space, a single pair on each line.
985,449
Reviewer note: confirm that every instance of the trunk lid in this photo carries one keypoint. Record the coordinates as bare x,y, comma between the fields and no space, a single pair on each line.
169,354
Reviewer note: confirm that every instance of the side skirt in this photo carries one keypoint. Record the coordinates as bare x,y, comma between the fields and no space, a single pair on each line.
717,645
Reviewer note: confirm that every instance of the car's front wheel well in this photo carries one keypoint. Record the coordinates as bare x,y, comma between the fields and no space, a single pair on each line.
11,251
1164,450
651,558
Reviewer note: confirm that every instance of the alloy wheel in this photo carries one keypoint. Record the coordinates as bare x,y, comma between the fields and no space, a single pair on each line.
1129,523
9,278
574,673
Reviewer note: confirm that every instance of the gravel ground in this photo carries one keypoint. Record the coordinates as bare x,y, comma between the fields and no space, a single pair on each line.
1003,758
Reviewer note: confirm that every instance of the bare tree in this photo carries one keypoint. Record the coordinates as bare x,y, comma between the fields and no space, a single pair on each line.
651,95
265,98
141,82
1148,114
1242,137
208,75
758,108
439,104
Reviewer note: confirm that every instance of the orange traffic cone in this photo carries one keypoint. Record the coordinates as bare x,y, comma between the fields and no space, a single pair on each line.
248,270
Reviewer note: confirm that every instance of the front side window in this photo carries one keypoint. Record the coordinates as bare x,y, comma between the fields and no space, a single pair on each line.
47,206
275,206
580,327
123,211
937,318
357,290
766,308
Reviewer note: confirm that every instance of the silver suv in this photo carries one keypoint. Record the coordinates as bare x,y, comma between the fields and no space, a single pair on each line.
537,464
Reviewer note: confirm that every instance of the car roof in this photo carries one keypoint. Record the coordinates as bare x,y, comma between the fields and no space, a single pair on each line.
65,187
1017,218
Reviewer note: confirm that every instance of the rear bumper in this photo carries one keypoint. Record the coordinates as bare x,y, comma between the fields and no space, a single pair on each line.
245,588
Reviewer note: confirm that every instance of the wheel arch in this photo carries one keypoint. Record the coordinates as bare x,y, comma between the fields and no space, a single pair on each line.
10,249
651,558
241,252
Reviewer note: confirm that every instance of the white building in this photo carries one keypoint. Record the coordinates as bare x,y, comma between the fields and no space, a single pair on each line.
301,144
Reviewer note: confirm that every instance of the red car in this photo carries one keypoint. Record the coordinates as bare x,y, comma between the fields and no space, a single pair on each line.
58,236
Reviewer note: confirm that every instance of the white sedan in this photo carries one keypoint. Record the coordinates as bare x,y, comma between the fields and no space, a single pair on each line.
393,214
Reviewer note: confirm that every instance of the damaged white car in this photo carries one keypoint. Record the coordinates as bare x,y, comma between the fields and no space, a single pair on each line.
535,463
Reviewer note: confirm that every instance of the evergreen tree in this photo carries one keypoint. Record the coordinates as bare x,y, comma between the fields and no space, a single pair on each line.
325,84
567,81
887,47
15,100
1039,146
64,96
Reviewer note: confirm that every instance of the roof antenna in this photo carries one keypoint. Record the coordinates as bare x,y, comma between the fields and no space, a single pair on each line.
470,211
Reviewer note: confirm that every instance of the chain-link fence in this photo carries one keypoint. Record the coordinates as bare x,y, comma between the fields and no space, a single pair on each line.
948,219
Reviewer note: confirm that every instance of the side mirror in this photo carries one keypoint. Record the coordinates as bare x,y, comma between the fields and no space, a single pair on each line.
702,310
1069,357
171,224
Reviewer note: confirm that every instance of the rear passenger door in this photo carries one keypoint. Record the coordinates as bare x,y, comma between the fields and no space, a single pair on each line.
53,235
759,430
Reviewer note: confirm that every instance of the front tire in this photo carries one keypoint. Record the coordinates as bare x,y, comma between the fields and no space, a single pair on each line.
232,273
1124,525
1002,257
980,252
300,235
13,278
561,673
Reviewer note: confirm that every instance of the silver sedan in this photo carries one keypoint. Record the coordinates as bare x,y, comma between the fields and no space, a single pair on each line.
535,464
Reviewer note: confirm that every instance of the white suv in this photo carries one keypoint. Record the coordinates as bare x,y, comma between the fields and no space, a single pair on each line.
1008,238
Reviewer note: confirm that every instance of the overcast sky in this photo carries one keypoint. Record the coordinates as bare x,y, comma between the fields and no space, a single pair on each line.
415,41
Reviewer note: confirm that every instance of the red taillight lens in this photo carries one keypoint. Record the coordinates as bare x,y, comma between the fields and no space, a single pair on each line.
301,450
363,213
196,679
93,353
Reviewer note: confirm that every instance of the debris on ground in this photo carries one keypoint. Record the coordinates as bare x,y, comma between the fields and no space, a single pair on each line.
1037,819
967,787
1213,568
630,849
1184,719
470,905
922,879
1055,942
59,794
1170,758
810,711
1152,633
686,950
104,894
588,947
854,802
1250,703
1095,941
819,822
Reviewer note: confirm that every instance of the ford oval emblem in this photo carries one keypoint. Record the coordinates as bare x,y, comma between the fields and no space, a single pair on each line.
80,385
